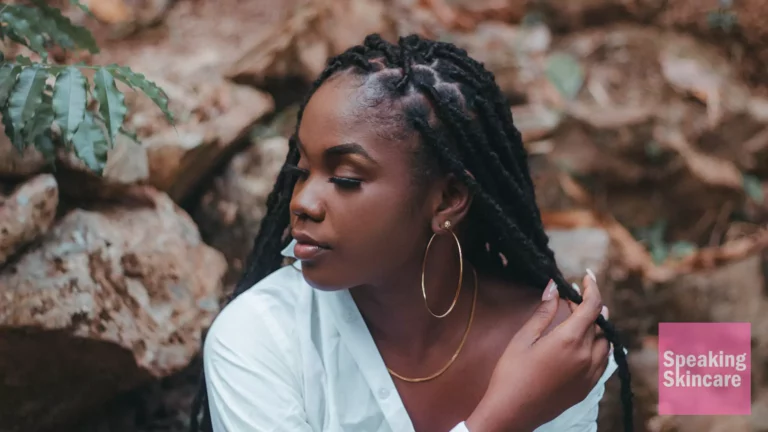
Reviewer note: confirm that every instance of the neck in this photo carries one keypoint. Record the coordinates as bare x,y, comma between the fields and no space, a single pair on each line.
395,310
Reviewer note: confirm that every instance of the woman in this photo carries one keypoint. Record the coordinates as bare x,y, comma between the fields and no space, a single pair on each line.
416,301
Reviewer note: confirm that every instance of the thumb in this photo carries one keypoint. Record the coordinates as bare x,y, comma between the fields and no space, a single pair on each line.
542,316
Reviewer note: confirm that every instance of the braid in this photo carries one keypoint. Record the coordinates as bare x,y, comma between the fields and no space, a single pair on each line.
472,131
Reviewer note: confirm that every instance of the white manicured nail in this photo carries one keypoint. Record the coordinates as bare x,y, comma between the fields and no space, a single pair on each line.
576,287
592,275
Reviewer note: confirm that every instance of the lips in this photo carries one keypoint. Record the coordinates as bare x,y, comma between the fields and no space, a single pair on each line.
308,248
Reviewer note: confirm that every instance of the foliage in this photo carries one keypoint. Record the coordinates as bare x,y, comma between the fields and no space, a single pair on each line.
46,105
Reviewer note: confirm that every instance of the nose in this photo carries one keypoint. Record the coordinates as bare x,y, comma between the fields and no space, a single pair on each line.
306,201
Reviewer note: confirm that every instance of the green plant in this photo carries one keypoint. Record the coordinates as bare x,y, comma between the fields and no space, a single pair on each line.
46,105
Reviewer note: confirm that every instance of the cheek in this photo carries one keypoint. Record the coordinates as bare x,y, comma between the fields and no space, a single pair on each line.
382,226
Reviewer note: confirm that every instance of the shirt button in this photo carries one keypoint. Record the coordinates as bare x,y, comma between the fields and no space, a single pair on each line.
383,393
349,317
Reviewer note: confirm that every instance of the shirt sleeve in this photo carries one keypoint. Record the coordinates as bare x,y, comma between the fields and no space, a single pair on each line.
250,383
461,427
582,417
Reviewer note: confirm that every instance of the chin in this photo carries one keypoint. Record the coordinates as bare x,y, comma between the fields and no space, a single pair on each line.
322,278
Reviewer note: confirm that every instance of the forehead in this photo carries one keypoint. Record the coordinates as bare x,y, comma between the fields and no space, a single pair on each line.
348,108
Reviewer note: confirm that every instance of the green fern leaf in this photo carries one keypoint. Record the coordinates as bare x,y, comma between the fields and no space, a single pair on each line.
13,134
44,144
45,26
27,95
136,80
40,123
24,61
82,7
24,27
69,101
90,143
8,75
111,102
63,31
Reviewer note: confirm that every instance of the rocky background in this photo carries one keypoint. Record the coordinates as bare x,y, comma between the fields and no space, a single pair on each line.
646,121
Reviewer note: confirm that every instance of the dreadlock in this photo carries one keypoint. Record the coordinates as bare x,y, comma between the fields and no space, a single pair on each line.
465,125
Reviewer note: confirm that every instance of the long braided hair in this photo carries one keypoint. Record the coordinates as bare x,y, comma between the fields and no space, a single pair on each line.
465,125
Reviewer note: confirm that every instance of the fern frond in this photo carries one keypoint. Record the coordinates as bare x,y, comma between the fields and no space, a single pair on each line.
24,61
40,123
25,26
69,101
41,26
62,30
44,144
90,144
27,95
111,102
136,80
82,7
8,75
13,134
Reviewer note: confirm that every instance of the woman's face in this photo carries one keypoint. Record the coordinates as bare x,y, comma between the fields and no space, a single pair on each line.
355,193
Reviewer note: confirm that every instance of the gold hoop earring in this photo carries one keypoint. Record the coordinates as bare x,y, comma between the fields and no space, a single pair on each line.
447,226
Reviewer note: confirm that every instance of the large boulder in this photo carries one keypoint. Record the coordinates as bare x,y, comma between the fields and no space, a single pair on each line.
110,298
231,210
15,164
26,214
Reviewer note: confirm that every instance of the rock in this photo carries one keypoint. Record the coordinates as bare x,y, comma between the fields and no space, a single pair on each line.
616,133
110,298
300,44
14,164
180,157
579,249
732,292
27,213
744,40
127,166
515,54
230,212
112,20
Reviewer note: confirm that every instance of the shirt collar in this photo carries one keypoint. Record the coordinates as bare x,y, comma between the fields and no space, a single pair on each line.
288,252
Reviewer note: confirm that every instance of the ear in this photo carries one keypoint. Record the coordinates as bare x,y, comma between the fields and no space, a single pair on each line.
453,203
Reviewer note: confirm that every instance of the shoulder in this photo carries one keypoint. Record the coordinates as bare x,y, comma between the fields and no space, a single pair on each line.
261,318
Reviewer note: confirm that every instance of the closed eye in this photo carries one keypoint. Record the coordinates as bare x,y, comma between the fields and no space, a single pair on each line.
343,182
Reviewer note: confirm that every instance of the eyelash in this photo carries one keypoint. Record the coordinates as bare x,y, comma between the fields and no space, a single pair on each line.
343,182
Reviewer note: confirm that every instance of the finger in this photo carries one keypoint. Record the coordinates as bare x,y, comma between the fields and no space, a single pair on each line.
604,311
585,315
542,317
600,359
571,304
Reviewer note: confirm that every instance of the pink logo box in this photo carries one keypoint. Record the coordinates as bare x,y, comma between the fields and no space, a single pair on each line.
704,368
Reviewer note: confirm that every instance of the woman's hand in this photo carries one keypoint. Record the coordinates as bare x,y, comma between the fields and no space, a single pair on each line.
539,377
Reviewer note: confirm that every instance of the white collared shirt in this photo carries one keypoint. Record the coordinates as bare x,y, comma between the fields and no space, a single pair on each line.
284,357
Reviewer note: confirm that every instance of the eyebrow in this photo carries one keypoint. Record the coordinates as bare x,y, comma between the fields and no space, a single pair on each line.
350,148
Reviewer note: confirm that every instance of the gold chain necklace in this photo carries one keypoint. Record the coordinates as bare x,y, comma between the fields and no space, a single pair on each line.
456,354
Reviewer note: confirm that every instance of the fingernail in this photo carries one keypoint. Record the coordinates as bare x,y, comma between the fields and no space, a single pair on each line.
604,312
592,275
576,287
549,291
